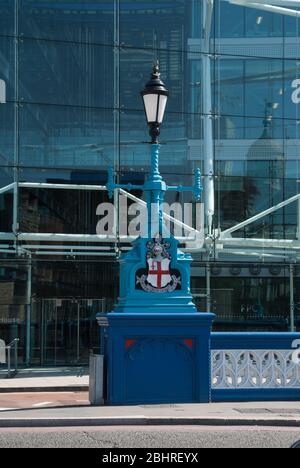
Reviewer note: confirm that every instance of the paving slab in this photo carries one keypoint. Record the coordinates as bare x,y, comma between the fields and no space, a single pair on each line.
49,414
37,380
216,414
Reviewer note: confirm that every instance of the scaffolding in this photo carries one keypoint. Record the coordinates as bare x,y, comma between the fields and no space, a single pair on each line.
215,242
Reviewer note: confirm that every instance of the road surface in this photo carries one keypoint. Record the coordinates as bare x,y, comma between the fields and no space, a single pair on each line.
150,437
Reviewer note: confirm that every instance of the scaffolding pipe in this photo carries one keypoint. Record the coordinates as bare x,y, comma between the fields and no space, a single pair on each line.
292,300
62,186
257,217
262,243
166,216
53,237
208,287
97,253
266,7
285,3
15,226
77,254
88,238
8,252
28,312
7,188
67,247
209,192
253,254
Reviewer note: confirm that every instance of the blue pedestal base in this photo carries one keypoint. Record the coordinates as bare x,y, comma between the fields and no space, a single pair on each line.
158,358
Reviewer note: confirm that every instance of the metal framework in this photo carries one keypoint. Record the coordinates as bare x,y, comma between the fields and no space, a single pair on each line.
221,243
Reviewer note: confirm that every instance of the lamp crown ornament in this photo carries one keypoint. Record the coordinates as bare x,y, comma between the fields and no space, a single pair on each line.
156,71
155,84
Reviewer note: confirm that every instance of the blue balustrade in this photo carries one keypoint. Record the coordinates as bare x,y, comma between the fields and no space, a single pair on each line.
255,366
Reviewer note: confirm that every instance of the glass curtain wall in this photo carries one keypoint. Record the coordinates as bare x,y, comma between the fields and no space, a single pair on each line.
72,72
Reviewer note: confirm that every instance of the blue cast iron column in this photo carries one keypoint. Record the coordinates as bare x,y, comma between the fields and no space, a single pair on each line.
155,189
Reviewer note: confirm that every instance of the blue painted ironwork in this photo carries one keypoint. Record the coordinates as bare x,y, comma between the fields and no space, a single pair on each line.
157,343
255,367
155,187
132,298
158,358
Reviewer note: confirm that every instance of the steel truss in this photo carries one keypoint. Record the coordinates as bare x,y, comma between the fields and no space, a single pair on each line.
221,243
15,240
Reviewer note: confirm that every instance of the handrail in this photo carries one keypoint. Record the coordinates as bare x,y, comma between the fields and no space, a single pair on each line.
13,344
10,345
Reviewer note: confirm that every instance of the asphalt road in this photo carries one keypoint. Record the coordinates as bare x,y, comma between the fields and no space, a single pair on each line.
150,437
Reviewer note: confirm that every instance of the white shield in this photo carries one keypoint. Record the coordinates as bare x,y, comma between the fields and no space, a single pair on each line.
159,275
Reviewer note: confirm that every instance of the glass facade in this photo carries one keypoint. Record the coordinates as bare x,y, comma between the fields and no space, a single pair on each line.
73,71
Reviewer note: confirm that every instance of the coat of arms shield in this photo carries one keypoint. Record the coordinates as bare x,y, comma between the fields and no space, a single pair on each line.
159,275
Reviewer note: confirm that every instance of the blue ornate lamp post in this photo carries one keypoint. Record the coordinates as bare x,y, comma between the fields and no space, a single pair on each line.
157,343
155,97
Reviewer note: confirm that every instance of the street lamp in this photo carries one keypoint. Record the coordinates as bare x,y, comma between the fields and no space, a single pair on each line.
155,297
155,97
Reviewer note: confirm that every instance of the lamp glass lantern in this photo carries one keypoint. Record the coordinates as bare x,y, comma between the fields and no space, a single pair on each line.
155,97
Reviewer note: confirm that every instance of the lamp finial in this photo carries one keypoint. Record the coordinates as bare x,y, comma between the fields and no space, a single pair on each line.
156,71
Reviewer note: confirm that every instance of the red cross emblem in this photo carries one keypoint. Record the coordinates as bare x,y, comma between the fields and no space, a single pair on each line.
159,275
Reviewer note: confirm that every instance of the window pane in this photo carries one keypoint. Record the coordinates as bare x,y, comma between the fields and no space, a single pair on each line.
70,137
254,87
160,25
229,20
7,17
263,24
181,149
59,211
61,73
7,66
6,199
7,135
69,20
63,176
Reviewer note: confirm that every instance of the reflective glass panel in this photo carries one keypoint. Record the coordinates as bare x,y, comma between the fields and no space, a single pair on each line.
180,72
63,136
65,73
7,67
69,20
7,139
169,24
7,17
181,148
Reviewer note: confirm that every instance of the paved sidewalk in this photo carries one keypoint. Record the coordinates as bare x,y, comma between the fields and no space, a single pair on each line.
40,381
57,379
217,414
